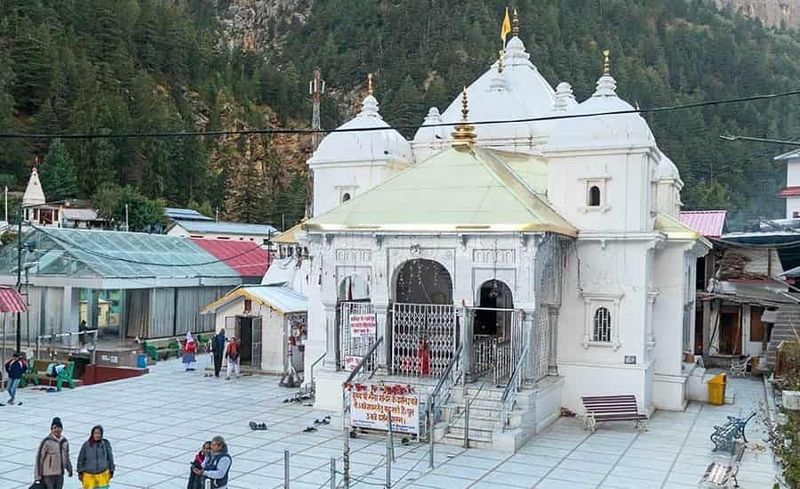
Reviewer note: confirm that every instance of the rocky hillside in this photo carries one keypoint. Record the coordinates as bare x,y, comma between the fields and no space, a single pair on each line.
776,13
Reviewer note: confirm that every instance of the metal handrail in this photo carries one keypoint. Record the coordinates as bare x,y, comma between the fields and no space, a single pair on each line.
514,385
439,395
311,384
361,362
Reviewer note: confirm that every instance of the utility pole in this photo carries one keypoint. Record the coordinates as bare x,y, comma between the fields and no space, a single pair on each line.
19,277
6,199
127,225
316,89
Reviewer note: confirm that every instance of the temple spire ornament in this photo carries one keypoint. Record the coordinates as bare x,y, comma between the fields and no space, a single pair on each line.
515,24
369,84
500,61
606,63
464,132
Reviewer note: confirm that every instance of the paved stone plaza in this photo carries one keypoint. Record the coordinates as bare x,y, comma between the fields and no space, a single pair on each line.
157,422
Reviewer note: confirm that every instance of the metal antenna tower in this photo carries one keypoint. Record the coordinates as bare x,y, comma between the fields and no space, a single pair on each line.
316,89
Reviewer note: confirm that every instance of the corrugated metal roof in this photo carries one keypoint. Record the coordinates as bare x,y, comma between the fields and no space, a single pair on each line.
710,224
188,214
675,229
283,299
11,300
247,258
222,227
80,214
452,191
789,192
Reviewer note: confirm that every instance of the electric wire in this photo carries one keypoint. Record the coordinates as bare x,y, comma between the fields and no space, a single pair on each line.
652,110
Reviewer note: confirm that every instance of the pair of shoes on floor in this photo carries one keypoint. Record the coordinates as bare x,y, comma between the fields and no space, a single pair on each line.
325,420
227,378
258,426
309,429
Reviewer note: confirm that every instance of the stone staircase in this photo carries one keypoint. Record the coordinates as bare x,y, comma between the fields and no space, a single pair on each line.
485,424
786,323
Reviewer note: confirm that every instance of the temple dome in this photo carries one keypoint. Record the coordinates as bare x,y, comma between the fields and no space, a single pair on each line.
518,92
601,131
667,170
374,145
430,138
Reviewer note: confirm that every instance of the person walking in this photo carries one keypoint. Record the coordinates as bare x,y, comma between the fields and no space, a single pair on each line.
52,458
15,368
233,352
218,349
96,461
189,350
196,481
217,466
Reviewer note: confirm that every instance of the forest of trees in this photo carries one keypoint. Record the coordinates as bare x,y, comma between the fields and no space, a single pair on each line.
131,66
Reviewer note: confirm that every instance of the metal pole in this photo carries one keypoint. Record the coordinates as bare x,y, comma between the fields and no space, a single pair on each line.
346,431
430,436
286,469
466,424
388,464
390,436
4,344
6,199
127,225
94,347
333,472
19,277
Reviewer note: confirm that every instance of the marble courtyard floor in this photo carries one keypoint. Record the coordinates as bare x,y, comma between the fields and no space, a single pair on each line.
157,422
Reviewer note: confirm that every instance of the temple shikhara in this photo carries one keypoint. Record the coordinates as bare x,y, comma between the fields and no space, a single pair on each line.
525,264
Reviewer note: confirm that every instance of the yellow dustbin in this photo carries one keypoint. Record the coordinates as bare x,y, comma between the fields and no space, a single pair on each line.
716,390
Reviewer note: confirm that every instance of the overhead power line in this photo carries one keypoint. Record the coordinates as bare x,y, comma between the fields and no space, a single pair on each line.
787,142
245,132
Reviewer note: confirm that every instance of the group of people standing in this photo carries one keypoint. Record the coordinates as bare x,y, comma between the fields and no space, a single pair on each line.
96,466
95,460
221,349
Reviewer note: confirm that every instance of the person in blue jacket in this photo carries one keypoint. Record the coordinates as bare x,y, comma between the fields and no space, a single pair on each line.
15,368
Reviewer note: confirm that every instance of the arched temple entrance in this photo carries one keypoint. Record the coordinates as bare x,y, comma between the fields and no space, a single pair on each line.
357,320
424,321
496,332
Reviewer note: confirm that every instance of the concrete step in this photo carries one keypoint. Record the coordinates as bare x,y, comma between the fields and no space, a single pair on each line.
478,423
475,434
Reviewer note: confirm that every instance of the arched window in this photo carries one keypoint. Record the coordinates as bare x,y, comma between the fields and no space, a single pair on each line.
602,325
345,197
594,196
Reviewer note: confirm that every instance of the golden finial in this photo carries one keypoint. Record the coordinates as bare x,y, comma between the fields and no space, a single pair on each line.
606,63
369,83
500,61
515,24
464,132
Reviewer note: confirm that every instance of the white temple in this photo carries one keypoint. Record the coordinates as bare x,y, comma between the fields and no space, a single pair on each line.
546,256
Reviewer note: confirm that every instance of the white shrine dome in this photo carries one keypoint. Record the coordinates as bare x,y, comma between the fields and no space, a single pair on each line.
382,143
619,130
430,138
667,170
518,92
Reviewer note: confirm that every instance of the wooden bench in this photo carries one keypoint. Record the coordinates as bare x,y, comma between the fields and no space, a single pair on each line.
725,437
611,408
722,474
37,374
160,349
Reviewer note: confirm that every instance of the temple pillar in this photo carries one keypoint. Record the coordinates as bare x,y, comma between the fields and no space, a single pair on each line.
331,361
552,331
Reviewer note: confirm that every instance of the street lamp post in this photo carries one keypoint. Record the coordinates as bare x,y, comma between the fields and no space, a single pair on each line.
19,277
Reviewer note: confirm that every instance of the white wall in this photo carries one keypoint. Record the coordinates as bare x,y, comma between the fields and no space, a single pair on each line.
611,273
179,231
624,177
333,180
792,206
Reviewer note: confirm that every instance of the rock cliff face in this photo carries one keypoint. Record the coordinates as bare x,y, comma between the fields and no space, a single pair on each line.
261,24
776,13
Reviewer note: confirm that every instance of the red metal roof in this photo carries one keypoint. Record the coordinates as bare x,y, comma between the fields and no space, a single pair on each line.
11,300
789,192
708,223
246,257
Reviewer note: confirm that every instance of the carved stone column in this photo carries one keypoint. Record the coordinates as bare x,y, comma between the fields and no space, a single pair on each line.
331,361
529,327
552,331
384,352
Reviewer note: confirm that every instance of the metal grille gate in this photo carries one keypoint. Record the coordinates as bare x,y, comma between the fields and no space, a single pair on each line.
498,353
353,346
424,338
255,354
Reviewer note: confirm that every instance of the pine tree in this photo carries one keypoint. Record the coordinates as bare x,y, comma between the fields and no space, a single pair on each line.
57,173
